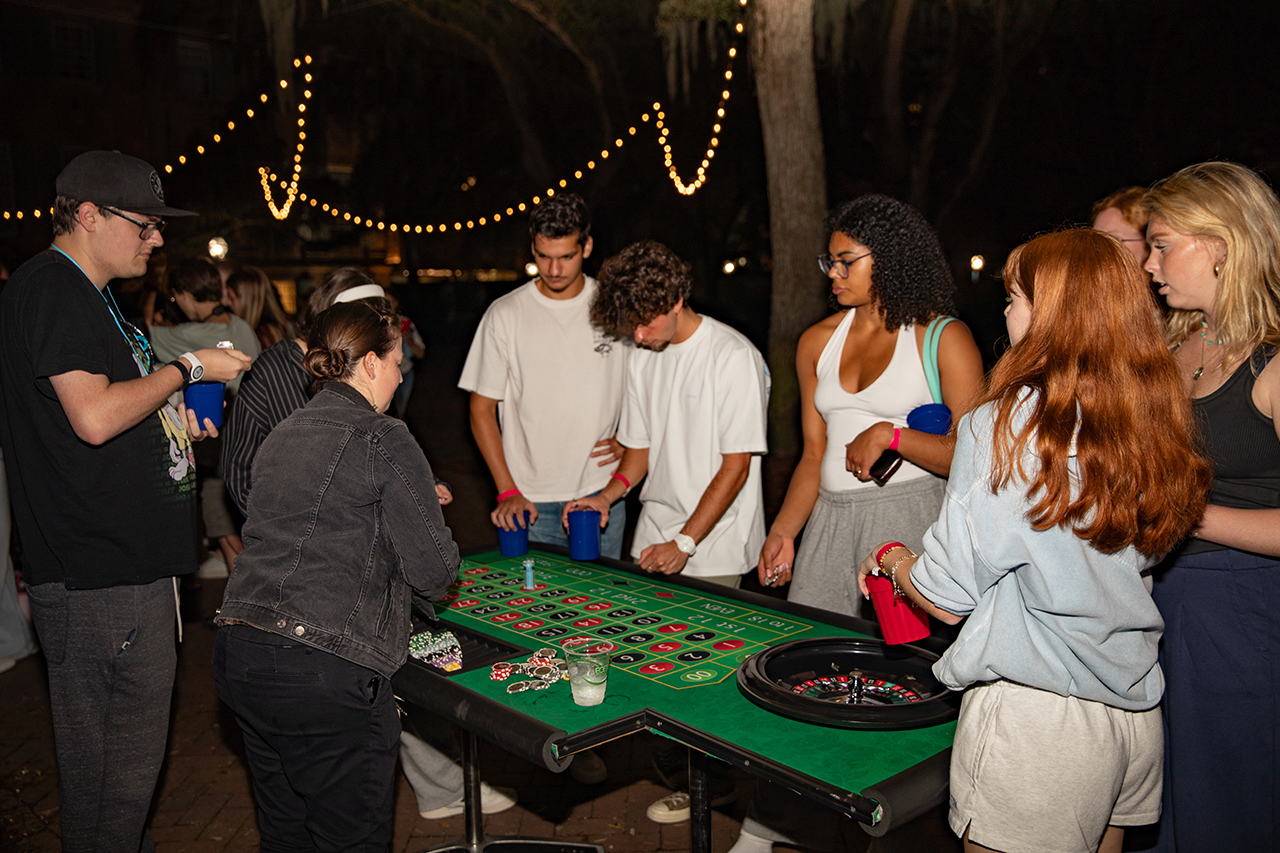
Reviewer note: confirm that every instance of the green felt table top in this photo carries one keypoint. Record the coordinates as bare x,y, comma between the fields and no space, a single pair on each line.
849,759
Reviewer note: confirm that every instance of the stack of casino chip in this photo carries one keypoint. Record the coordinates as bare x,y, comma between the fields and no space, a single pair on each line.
441,650
542,668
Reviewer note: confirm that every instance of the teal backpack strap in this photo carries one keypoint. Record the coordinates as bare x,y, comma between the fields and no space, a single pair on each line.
932,335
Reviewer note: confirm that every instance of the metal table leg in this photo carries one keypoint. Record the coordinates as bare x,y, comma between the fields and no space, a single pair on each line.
477,842
699,802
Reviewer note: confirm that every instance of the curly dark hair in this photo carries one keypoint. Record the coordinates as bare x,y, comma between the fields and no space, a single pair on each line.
560,216
910,280
636,285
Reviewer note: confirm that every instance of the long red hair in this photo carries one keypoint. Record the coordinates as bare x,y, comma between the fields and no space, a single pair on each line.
1094,351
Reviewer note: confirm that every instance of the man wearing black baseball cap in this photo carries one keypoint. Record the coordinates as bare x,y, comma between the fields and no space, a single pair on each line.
102,479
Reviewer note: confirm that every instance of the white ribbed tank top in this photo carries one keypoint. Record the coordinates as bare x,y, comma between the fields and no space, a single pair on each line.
895,392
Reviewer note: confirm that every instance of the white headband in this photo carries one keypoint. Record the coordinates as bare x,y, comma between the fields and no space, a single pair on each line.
364,291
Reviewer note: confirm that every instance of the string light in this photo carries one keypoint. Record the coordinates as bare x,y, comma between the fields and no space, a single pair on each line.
291,186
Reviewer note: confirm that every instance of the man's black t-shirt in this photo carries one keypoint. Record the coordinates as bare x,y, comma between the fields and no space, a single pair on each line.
90,517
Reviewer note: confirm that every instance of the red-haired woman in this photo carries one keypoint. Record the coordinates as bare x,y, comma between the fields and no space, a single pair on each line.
1074,473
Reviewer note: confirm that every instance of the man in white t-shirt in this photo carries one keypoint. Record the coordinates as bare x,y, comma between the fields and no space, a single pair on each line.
693,419
546,386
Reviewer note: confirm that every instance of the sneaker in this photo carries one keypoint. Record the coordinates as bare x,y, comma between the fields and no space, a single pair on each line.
749,843
588,768
212,569
492,801
674,808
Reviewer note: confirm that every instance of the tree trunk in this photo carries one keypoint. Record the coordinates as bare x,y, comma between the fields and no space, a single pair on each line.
782,51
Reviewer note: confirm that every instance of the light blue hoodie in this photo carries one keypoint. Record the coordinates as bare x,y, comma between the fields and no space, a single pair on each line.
1046,609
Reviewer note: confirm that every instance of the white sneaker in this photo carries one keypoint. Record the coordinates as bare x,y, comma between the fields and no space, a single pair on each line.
212,569
748,843
674,808
492,801
588,768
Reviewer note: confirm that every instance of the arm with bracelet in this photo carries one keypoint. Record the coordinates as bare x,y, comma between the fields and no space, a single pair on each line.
512,505
632,469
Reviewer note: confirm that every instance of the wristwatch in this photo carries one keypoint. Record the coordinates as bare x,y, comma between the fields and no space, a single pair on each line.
685,543
197,369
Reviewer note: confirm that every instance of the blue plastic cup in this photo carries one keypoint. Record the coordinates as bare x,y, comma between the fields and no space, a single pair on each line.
205,399
584,534
514,543
933,418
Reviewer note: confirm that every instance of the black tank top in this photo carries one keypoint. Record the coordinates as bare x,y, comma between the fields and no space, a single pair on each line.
1241,442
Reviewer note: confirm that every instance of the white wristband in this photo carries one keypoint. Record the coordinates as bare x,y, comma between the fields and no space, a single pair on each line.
685,543
197,367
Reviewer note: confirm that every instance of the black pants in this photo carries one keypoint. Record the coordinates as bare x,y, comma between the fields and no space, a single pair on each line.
320,735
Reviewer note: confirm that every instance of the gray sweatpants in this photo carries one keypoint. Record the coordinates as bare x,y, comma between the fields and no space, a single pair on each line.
111,657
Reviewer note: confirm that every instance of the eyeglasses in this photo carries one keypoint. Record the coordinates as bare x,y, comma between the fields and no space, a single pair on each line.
148,228
826,263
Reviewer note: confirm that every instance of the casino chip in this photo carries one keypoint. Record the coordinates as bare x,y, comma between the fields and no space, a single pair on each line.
441,650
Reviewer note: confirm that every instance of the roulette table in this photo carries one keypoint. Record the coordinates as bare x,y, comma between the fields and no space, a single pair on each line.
803,697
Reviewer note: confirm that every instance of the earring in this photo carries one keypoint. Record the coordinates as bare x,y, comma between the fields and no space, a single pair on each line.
1217,268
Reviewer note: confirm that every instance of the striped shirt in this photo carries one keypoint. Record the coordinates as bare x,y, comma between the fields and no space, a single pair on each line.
275,388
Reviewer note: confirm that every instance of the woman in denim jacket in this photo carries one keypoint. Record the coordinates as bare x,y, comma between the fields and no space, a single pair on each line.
344,528
1077,470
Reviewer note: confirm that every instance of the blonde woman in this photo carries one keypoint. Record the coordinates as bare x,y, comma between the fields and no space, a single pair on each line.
1214,234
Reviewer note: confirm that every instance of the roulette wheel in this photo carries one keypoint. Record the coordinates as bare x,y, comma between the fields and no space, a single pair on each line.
849,682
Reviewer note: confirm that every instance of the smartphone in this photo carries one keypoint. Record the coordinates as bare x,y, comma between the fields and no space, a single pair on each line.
886,466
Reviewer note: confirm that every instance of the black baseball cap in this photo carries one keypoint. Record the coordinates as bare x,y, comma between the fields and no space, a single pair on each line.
116,180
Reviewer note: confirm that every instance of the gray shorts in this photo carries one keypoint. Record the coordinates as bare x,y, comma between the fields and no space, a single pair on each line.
1032,770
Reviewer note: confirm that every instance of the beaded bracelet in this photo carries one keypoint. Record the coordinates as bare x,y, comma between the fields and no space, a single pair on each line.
892,572
888,546
508,493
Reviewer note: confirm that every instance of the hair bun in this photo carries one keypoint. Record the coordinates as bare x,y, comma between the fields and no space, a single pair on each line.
325,363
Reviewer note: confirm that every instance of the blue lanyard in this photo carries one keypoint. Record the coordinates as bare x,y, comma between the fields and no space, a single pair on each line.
134,338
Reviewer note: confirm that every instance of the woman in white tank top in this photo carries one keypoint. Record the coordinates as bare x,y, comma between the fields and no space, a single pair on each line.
861,373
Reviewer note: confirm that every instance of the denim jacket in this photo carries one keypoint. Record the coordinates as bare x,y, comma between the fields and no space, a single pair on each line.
344,526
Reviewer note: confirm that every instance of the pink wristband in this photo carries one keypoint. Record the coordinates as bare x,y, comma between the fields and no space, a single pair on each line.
897,435
888,546
508,493
624,480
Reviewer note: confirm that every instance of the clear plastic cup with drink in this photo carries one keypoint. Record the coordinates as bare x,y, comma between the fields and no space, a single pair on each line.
588,660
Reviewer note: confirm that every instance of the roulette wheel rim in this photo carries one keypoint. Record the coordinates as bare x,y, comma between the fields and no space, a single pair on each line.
898,689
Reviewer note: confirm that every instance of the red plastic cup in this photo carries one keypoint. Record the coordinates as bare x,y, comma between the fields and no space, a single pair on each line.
900,620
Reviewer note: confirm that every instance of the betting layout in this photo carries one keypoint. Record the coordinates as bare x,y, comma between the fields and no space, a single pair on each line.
666,633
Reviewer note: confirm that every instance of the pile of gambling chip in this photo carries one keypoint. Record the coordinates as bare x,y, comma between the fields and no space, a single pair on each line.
542,668
441,650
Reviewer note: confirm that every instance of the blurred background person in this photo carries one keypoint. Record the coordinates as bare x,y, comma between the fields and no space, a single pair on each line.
1122,215
253,298
196,290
